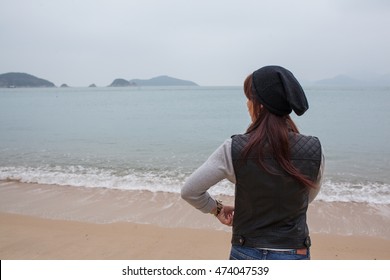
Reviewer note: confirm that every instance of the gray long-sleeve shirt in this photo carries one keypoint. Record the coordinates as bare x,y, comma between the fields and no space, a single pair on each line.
217,167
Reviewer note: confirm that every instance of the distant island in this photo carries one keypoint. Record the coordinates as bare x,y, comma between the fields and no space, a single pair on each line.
121,83
347,81
156,81
14,80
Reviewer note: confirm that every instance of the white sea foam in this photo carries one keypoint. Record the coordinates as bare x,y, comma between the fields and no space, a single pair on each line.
365,192
172,181
80,176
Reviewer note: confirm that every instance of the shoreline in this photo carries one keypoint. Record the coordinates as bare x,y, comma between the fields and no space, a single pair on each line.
31,238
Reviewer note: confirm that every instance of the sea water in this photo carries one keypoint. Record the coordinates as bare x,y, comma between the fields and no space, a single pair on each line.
152,138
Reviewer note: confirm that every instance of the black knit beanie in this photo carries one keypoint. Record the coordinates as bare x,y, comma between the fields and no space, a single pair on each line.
279,91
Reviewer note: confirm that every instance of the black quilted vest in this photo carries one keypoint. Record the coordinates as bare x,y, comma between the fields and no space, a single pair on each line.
270,210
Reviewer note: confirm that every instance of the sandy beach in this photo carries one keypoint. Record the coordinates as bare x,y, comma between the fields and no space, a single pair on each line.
58,222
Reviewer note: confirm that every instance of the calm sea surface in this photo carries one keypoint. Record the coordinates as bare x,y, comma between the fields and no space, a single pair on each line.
152,138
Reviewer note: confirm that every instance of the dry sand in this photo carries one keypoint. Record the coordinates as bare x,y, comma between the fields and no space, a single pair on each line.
27,237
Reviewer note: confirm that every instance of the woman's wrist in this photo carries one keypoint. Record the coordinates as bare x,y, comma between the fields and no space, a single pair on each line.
217,210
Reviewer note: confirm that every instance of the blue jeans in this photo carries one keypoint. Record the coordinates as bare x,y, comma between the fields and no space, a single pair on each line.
248,253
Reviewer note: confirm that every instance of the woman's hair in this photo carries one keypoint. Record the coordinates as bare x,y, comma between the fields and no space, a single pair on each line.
271,131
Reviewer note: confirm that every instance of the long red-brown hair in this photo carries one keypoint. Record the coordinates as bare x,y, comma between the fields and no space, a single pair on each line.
270,131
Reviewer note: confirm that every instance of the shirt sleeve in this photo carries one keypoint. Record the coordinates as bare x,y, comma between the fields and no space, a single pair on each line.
217,167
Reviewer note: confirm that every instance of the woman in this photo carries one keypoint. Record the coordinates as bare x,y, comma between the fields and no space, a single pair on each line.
277,173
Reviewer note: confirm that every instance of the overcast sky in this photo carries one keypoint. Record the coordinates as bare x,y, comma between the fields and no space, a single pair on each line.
211,42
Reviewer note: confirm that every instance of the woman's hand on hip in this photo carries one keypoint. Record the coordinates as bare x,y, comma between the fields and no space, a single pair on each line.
226,215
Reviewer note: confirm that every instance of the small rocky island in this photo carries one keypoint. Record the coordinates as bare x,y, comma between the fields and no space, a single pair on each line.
121,83
18,80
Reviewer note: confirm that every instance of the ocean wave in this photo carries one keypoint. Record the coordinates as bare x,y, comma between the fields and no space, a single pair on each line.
361,192
79,176
171,181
